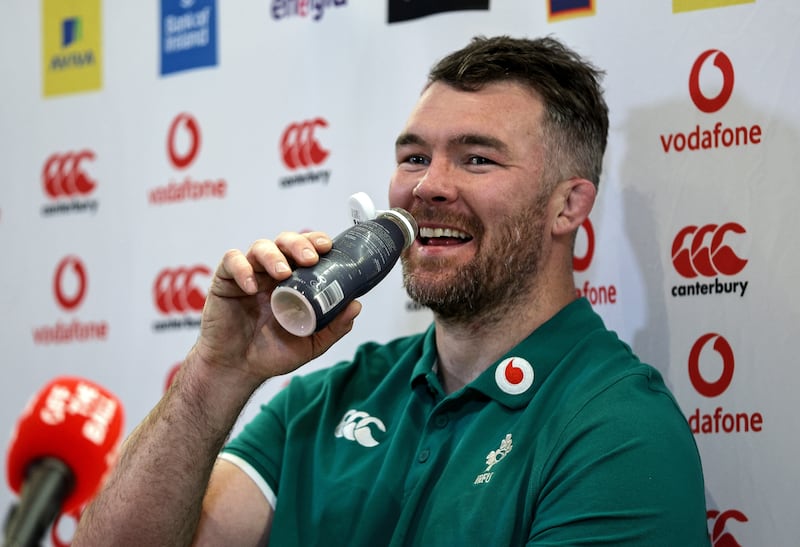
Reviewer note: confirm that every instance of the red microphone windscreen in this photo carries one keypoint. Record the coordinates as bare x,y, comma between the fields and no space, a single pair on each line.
76,422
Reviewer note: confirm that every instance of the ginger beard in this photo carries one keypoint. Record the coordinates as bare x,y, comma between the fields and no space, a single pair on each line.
503,267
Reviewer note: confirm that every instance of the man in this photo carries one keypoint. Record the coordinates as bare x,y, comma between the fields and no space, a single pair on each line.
517,418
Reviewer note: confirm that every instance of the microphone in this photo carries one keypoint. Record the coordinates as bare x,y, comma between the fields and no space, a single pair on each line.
62,447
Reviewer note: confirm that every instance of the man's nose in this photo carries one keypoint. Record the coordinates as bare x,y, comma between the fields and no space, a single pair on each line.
438,183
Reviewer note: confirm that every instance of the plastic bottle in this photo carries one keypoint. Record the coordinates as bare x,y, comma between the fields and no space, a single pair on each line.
360,258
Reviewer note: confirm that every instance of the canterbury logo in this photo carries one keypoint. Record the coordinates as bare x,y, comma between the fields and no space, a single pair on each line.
174,290
182,159
723,63
359,427
70,266
299,145
63,174
693,256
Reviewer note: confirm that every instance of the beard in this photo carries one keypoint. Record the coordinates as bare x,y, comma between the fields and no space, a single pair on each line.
486,287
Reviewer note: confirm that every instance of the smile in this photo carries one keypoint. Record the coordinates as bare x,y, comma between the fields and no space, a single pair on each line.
442,236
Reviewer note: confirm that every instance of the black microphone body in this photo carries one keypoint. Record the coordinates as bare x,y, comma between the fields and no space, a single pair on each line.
47,483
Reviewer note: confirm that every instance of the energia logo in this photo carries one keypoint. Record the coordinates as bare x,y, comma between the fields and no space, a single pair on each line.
280,9
66,183
714,64
703,251
712,352
300,149
183,148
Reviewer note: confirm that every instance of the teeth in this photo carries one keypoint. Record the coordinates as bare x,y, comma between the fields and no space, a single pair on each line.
442,232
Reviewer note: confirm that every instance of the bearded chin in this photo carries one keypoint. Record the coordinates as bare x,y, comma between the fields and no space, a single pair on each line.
487,286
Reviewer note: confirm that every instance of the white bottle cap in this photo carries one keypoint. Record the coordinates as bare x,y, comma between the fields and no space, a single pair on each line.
293,311
361,207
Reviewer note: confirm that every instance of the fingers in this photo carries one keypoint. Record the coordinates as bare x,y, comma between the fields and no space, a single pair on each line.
336,329
272,258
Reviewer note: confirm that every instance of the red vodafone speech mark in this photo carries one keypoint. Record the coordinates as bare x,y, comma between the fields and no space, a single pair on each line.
174,290
66,301
181,161
721,346
707,259
63,174
580,264
299,145
723,63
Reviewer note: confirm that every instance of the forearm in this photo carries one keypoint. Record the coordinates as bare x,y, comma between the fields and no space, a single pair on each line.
154,495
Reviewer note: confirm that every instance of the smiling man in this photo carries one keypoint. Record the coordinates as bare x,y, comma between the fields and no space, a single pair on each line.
516,418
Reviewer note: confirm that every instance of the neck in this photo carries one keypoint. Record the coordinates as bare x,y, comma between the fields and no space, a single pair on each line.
467,348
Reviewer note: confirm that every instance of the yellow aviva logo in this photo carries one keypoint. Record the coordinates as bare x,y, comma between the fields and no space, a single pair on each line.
71,46
691,5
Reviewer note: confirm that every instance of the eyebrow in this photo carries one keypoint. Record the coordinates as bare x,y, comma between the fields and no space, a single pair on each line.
471,139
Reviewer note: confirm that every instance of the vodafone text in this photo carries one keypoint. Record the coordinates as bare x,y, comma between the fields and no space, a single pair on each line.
188,190
725,422
597,295
717,287
74,331
706,139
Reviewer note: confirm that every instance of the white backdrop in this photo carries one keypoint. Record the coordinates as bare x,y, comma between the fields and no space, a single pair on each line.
141,140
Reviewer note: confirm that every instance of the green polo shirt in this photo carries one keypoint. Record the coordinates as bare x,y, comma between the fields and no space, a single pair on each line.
567,440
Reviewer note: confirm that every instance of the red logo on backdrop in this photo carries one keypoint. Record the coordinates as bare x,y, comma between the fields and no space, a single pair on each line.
299,144
175,291
187,125
723,348
69,282
723,63
63,174
581,264
703,257
719,537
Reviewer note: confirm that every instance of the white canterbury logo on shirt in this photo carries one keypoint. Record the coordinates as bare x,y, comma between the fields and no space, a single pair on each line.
355,426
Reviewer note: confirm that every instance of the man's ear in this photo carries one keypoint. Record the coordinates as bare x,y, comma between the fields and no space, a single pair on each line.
575,201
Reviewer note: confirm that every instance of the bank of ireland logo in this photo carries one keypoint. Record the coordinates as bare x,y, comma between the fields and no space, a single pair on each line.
183,140
719,61
514,375
70,282
360,427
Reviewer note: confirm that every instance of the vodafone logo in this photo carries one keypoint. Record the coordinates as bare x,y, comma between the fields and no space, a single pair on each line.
725,67
299,144
600,294
718,534
69,282
175,290
723,348
703,251
711,80
63,174
514,375
712,351
581,263
183,140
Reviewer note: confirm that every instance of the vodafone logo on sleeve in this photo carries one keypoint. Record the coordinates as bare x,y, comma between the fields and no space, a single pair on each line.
67,183
710,367
184,139
70,288
177,292
301,150
709,251
582,260
710,86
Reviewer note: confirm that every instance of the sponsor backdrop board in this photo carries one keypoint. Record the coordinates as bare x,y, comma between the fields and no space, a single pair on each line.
140,141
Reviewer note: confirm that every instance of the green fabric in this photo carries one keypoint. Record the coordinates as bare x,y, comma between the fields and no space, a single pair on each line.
600,453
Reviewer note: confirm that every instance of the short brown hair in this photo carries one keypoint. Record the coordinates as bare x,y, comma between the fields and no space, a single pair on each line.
576,115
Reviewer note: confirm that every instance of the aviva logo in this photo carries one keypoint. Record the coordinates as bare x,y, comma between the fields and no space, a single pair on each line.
558,10
691,5
71,53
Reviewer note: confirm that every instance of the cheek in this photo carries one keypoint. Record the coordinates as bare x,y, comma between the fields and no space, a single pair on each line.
400,191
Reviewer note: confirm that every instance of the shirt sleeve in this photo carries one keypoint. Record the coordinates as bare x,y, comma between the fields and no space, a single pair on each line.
624,472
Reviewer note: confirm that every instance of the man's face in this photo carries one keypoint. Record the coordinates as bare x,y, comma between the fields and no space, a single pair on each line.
469,168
